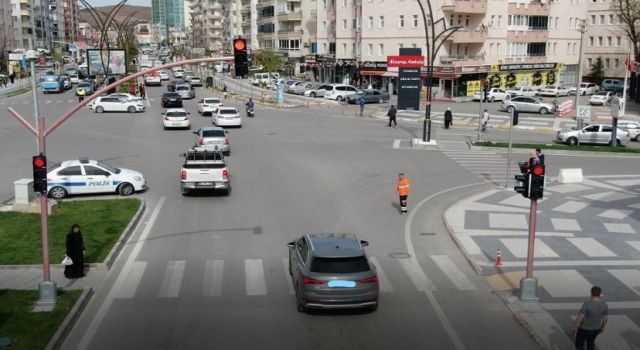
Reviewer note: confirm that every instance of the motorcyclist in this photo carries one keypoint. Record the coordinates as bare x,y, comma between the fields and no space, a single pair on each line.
249,105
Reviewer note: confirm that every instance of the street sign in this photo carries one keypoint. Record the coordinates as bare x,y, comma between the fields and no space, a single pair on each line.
615,107
73,48
584,112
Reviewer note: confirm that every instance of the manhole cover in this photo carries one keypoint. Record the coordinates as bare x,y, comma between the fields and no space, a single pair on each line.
427,234
399,255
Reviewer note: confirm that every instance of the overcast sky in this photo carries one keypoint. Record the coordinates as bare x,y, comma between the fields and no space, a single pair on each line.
98,3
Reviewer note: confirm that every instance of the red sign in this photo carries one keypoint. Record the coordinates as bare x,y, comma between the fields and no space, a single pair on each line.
405,61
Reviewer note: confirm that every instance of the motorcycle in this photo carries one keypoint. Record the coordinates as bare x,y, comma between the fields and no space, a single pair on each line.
250,112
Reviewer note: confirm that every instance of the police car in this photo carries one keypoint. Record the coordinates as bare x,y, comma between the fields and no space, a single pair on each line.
90,176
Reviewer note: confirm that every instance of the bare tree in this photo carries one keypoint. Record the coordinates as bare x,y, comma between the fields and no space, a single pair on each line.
628,12
103,21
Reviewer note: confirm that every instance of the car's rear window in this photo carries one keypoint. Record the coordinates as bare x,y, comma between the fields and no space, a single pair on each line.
213,133
176,114
212,101
171,95
228,111
340,265
182,88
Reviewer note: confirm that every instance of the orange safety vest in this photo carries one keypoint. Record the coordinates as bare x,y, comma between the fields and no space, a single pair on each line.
403,187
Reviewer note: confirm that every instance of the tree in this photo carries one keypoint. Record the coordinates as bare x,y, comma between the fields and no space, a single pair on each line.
597,71
268,60
628,12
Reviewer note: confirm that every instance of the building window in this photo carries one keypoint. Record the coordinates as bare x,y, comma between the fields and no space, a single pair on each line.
380,49
344,48
570,22
607,63
324,47
354,24
590,41
568,48
609,41
593,19
610,20
601,19
616,62
353,48
415,21
491,20
381,22
370,49
344,3
324,26
574,48
401,21
491,49
370,25
466,20
414,45
498,49
589,62
400,46
599,41
499,21
451,21
344,24
618,40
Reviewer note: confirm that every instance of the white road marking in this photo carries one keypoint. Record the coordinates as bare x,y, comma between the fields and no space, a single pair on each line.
385,285
254,276
453,272
131,281
591,247
630,277
285,263
412,268
213,277
396,143
106,305
172,280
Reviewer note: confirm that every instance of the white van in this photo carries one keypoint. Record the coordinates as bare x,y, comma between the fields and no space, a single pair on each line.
339,92
264,78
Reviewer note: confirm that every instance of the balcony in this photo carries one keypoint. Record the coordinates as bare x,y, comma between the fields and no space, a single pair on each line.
527,59
214,6
264,3
264,19
286,33
468,36
462,60
531,9
527,36
290,16
465,6
331,13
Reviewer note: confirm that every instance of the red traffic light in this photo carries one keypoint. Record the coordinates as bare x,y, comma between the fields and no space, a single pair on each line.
538,170
239,44
39,161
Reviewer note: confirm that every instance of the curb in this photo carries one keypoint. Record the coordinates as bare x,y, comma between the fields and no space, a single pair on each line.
67,324
459,244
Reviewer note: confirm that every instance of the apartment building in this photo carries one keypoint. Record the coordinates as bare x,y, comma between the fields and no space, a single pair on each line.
169,12
605,37
7,40
22,20
509,42
71,20
207,21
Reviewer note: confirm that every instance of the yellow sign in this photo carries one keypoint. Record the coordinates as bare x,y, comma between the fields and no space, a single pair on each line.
472,87
532,79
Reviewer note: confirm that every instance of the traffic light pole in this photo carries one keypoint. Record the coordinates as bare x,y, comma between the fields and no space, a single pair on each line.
528,284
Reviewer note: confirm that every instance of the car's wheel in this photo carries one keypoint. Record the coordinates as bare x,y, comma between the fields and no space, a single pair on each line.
373,308
131,109
57,192
313,94
618,142
185,192
381,100
299,301
99,109
544,110
511,109
226,191
572,141
492,99
126,189
637,139
584,93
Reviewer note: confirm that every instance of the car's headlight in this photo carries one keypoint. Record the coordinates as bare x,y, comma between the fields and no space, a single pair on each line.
138,178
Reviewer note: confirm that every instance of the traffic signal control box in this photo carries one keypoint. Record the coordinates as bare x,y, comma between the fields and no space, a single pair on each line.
39,163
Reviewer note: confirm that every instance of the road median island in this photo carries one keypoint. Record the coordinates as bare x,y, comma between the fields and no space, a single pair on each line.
556,147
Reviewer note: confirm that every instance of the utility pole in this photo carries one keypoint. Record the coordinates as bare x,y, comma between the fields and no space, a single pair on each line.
579,77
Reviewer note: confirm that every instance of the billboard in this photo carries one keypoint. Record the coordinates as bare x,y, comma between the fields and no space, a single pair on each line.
114,60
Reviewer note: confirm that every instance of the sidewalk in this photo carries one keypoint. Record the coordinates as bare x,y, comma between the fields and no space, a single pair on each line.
18,84
587,234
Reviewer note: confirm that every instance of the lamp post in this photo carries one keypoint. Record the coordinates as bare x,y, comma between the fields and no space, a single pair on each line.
433,45
579,77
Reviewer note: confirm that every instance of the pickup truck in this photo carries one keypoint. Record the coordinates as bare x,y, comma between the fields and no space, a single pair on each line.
204,169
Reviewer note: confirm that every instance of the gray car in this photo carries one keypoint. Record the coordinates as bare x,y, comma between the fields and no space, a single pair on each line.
528,104
369,96
210,137
596,134
319,91
186,91
331,270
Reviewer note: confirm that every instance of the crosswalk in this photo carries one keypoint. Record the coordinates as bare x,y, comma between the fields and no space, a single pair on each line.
258,277
488,165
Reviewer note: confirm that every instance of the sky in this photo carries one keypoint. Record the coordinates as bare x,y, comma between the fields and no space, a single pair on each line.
98,3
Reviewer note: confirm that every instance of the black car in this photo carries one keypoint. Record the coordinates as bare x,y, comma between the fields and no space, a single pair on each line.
171,99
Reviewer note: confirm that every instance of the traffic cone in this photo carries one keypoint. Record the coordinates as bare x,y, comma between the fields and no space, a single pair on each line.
498,258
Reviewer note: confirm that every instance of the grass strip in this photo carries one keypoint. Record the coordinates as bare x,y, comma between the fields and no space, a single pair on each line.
101,221
581,148
27,329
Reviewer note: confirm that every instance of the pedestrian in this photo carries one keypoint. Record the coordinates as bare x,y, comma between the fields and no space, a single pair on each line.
143,91
403,189
591,320
485,120
361,103
12,76
448,118
392,116
224,91
4,81
540,155
533,159
75,251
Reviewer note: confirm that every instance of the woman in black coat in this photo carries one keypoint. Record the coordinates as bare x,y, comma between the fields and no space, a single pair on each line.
75,250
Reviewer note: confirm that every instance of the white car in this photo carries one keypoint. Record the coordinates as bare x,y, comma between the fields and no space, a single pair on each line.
554,91
164,75
493,95
195,81
74,78
152,78
631,126
339,92
178,73
176,118
521,91
601,98
126,96
90,176
227,116
585,89
116,104
208,105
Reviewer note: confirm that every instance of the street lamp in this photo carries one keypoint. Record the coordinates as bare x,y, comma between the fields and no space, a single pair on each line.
433,46
579,77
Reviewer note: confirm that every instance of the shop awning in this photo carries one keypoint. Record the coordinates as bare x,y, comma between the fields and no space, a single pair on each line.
374,72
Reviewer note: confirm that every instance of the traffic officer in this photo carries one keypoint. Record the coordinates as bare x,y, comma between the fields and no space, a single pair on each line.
81,94
403,189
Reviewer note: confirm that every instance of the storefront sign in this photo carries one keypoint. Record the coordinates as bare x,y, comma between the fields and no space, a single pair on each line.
523,66
413,61
472,87
475,69
373,66
15,56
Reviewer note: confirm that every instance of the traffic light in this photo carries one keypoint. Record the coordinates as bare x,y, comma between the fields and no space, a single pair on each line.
515,118
240,57
523,184
485,90
536,182
40,173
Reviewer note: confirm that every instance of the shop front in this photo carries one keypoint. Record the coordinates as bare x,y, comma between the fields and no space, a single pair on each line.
375,74
470,80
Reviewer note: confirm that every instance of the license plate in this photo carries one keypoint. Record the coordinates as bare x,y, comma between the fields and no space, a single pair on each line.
172,100
205,183
176,124
341,284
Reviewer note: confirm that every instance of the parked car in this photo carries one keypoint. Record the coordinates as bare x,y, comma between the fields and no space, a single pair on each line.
227,116
369,96
176,118
613,85
212,137
91,176
171,99
318,91
208,105
116,104
596,134
632,127
292,86
521,91
528,104
554,91
340,92
330,271
601,98
301,88
585,89
493,95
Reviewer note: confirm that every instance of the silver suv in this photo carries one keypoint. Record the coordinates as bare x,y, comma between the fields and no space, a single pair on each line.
331,270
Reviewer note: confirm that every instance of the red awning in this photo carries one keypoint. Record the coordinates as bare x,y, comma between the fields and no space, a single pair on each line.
374,72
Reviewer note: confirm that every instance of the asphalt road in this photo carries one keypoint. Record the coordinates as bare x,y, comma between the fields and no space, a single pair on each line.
209,270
